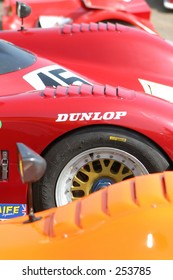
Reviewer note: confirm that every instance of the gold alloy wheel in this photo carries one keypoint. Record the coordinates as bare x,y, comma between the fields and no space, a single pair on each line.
94,169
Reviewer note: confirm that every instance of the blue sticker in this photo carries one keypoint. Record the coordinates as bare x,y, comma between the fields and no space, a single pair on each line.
8,211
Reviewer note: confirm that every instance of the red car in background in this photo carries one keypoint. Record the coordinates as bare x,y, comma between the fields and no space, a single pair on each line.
168,4
49,13
96,53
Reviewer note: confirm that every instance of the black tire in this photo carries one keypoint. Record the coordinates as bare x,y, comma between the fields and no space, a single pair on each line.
90,158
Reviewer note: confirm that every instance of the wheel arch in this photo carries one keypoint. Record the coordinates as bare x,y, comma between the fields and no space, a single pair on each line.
98,126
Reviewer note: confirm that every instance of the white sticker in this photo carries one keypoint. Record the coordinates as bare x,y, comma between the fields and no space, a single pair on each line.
158,90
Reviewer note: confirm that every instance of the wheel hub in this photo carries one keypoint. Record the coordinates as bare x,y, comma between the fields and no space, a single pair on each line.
101,183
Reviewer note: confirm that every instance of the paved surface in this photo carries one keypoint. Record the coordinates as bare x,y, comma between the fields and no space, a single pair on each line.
161,18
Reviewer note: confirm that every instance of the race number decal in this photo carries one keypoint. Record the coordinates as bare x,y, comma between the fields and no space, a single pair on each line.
158,90
53,76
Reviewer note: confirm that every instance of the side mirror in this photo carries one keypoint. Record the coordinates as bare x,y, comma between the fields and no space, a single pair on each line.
31,167
22,10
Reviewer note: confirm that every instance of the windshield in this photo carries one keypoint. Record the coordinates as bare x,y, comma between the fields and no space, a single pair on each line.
13,58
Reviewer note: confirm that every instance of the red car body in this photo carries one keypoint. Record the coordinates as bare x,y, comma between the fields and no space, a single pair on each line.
120,56
57,13
41,118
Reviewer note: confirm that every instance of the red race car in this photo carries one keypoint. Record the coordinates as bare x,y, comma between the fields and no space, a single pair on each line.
168,4
46,13
88,53
90,137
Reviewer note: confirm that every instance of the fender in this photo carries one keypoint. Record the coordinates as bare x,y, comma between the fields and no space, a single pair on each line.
34,117
90,105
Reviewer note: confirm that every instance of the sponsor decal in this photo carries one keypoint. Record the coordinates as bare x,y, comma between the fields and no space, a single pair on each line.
53,76
90,116
8,211
158,90
114,138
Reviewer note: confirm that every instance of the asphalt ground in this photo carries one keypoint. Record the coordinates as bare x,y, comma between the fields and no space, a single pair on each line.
161,18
